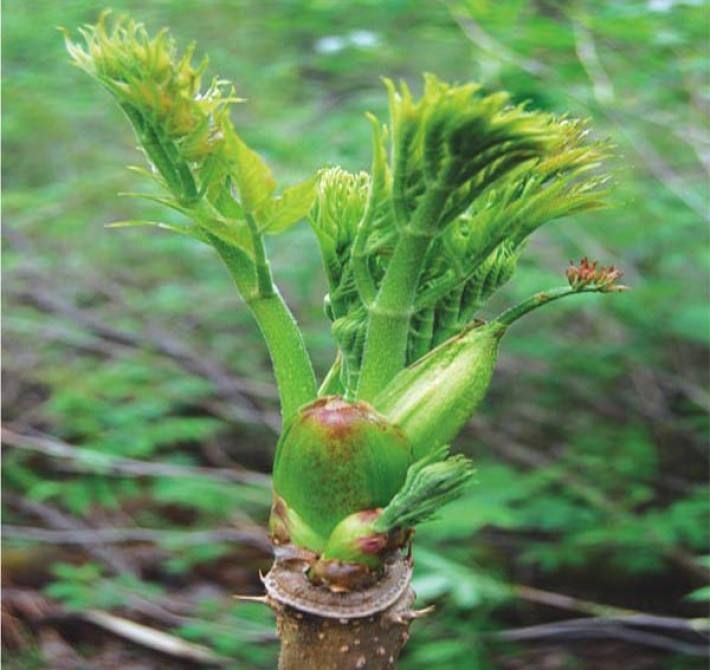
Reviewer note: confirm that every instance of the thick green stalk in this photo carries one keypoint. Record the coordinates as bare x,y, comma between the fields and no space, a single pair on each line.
389,315
292,364
295,378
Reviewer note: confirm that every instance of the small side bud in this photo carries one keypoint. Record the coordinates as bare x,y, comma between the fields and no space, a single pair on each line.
342,576
589,274
355,539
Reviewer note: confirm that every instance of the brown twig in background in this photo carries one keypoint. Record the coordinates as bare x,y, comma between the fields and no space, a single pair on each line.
60,521
601,610
85,536
620,628
238,392
153,639
89,460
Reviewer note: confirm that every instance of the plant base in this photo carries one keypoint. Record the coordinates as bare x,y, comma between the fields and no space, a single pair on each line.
321,630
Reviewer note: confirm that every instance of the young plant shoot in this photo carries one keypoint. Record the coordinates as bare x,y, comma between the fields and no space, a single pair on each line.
412,251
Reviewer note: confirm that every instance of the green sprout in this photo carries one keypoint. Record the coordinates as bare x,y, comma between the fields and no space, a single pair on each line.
412,251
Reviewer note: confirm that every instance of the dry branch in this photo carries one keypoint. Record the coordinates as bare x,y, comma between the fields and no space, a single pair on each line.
88,460
620,628
238,392
86,536
153,639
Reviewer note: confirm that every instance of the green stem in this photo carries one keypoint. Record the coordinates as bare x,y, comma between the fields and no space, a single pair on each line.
389,315
264,280
354,366
361,272
337,276
239,263
295,378
539,299
292,365
388,326
164,156
332,384
364,281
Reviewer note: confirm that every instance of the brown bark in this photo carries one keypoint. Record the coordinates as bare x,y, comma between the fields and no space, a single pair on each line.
321,630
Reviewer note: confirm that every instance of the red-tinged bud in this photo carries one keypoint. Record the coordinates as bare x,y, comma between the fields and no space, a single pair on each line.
355,539
356,552
589,274
335,459
341,577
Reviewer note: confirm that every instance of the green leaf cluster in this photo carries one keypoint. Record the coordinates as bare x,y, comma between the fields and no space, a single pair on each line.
211,176
469,174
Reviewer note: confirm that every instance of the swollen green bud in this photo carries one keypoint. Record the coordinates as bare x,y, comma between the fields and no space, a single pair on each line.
285,523
432,399
335,459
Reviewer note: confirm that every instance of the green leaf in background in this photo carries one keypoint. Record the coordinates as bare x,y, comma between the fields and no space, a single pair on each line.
701,595
467,587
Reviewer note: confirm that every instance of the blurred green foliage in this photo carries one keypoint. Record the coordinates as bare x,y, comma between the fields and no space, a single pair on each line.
591,446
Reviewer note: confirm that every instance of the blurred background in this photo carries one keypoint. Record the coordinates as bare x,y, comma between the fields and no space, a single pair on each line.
139,412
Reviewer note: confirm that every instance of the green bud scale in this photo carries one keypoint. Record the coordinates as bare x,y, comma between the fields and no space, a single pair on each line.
432,399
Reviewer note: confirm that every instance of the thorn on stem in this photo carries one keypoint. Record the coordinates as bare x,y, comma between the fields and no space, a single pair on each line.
264,600
406,617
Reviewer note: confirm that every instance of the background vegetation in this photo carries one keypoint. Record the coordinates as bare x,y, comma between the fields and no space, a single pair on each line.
138,405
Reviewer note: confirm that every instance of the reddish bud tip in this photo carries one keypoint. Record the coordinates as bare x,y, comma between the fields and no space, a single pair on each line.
340,418
590,274
373,544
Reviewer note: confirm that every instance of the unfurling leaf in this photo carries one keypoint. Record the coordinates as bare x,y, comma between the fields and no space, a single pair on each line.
432,482
250,172
280,213
179,126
